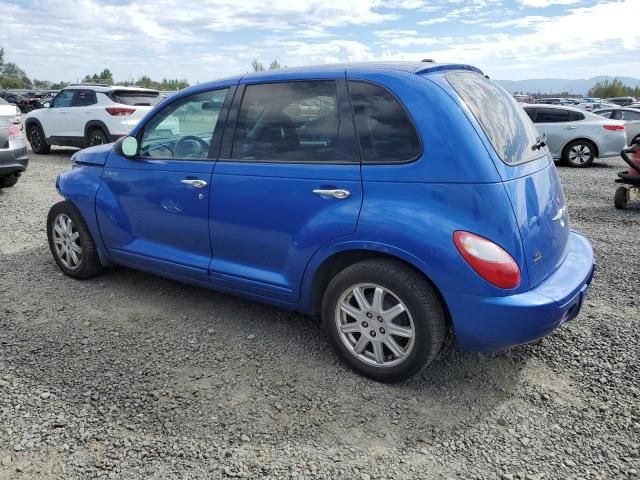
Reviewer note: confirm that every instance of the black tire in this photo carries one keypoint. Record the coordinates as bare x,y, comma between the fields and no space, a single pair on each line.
37,140
635,140
585,157
89,264
621,198
422,303
10,181
97,137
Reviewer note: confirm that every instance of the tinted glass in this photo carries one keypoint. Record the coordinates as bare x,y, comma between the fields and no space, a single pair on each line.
605,113
3,101
628,115
553,115
63,99
575,116
293,121
505,123
133,97
183,129
531,112
85,98
385,130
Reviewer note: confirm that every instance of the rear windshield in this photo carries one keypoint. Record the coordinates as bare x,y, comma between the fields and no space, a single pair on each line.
141,98
504,121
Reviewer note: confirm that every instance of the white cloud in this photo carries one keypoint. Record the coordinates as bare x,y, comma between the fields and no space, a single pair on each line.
547,3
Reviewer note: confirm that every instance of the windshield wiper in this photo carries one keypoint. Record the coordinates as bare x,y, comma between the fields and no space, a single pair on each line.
541,141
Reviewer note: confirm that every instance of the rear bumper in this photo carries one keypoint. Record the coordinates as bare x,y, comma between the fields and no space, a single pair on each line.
611,145
13,160
485,324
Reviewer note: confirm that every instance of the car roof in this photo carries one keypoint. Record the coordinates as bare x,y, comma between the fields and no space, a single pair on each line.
108,88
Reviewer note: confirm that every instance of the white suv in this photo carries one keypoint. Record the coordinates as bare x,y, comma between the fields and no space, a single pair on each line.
87,115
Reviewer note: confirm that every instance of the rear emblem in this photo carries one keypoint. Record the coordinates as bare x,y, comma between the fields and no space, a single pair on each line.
559,216
537,258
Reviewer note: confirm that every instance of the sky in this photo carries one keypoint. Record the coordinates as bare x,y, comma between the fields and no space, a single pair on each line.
208,39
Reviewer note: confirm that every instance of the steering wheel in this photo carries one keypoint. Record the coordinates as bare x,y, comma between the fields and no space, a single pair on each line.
182,145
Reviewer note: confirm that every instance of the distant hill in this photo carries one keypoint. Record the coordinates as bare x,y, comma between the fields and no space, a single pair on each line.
558,85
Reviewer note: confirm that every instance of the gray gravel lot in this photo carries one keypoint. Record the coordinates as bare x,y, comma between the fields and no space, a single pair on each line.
129,375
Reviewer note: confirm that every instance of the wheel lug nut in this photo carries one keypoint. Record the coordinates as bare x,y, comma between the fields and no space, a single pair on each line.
380,319
369,315
365,324
372,333
382,330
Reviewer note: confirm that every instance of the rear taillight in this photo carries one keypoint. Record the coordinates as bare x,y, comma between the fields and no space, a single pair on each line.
14,132
614,128
116,111
489,260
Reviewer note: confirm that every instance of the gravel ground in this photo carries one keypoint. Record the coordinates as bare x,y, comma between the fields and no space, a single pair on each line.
129,375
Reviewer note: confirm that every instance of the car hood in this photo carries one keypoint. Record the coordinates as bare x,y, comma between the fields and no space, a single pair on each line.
93,155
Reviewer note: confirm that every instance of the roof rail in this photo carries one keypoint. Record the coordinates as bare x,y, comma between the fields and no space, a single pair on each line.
88,85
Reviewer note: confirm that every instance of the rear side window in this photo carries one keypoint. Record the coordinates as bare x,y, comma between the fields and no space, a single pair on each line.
553,115
386,133
628,115
132,97
505,123
575,116
606,114
84,98
290,122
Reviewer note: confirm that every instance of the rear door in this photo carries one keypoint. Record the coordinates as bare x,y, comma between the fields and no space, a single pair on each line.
529,176
80,112
153,209
287,182
556,124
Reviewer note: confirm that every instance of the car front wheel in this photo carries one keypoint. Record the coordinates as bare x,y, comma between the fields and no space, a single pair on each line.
71,242
9,181
579,153
384,319
37,140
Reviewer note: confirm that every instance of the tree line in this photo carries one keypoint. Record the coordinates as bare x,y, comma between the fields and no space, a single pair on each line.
614,88
13,77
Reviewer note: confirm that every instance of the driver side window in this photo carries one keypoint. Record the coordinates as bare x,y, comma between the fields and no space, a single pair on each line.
183,129
63,99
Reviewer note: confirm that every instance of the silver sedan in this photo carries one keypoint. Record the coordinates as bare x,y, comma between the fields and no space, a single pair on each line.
630,117
577,137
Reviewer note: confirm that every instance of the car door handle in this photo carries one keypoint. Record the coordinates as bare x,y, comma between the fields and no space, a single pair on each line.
339,194
570,128
194,182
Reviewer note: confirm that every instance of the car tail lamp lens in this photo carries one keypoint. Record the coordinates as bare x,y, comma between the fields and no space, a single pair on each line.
14,132
489,260
614,128
119,111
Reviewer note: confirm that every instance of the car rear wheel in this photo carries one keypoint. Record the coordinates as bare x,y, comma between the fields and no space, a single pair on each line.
9,181
38,142
97,137
71,242
579,153
384,319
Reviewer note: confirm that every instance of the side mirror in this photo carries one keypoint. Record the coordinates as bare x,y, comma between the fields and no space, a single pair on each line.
46,105
126,146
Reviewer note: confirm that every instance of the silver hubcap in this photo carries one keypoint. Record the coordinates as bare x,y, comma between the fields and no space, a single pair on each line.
375,325
579,154
66,240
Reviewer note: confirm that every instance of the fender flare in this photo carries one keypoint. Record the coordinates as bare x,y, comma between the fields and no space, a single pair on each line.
346,245
91,124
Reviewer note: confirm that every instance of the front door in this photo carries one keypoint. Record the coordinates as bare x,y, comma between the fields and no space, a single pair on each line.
56,121
287,182
153,210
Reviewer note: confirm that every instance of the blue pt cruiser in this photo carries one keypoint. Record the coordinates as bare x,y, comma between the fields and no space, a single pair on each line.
398,201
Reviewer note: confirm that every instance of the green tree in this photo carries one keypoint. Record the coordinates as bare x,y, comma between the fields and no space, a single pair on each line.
12,76
274,65
257,66
614,88
105,77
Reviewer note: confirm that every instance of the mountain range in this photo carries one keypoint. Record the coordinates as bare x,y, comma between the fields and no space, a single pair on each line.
559,85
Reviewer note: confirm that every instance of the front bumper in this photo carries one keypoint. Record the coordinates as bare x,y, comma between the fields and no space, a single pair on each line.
13,159
495,323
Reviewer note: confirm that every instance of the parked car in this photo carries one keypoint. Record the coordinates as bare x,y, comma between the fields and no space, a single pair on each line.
633,105
590,106
577,137
10,112
629,116
396,200
554,101
622,101
86,115
13,153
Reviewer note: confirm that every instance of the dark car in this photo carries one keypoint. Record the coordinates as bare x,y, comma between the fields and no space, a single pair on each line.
13,153
622,101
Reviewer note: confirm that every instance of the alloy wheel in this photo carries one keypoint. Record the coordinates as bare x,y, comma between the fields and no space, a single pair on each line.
579,154
66,240
96,139
375,325
35,138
